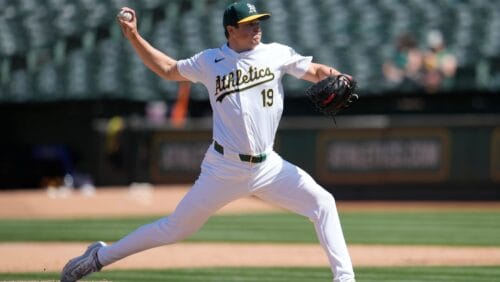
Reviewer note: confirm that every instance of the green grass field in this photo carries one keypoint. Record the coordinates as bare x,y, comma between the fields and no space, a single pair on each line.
409,228
479,228
393,274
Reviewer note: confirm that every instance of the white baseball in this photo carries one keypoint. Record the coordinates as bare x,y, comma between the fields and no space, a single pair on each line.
125,15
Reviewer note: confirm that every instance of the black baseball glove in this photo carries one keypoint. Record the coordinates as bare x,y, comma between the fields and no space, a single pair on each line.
333,94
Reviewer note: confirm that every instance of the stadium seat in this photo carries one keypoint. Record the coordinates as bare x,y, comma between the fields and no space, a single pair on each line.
354,36
4,70
12,40
49,83
21,86
163,38
191,34
307,25
137,78
215,32
67,20
94,13
109,64
152,4
38,29
278,30
79,72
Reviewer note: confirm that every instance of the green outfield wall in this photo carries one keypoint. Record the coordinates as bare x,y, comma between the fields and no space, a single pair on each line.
400,157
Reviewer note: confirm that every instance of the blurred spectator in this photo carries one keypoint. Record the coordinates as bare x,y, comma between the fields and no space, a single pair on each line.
156,112
54,163
114,135
403,70
440,64
56,168
180,108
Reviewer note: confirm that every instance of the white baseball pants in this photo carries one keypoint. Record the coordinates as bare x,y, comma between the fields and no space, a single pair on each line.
224,179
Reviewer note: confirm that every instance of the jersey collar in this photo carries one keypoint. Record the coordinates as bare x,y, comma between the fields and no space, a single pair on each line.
225,48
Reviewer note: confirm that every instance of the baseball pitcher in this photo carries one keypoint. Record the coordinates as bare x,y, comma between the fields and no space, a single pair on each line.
243,78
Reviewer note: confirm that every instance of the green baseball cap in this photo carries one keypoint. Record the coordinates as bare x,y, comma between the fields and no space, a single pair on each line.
242,12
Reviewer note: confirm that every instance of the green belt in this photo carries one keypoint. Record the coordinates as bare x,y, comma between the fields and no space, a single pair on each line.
244,158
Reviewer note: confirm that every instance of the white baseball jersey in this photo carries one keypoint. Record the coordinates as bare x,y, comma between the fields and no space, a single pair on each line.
246,92
246,95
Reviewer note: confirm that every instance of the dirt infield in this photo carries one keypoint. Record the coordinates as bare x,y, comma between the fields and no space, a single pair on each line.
140,200
40,257
144,200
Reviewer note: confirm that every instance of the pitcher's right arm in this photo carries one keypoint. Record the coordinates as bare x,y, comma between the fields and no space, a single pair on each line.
157,61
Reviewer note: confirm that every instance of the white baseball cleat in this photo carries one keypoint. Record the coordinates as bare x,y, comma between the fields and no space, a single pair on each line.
83,265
